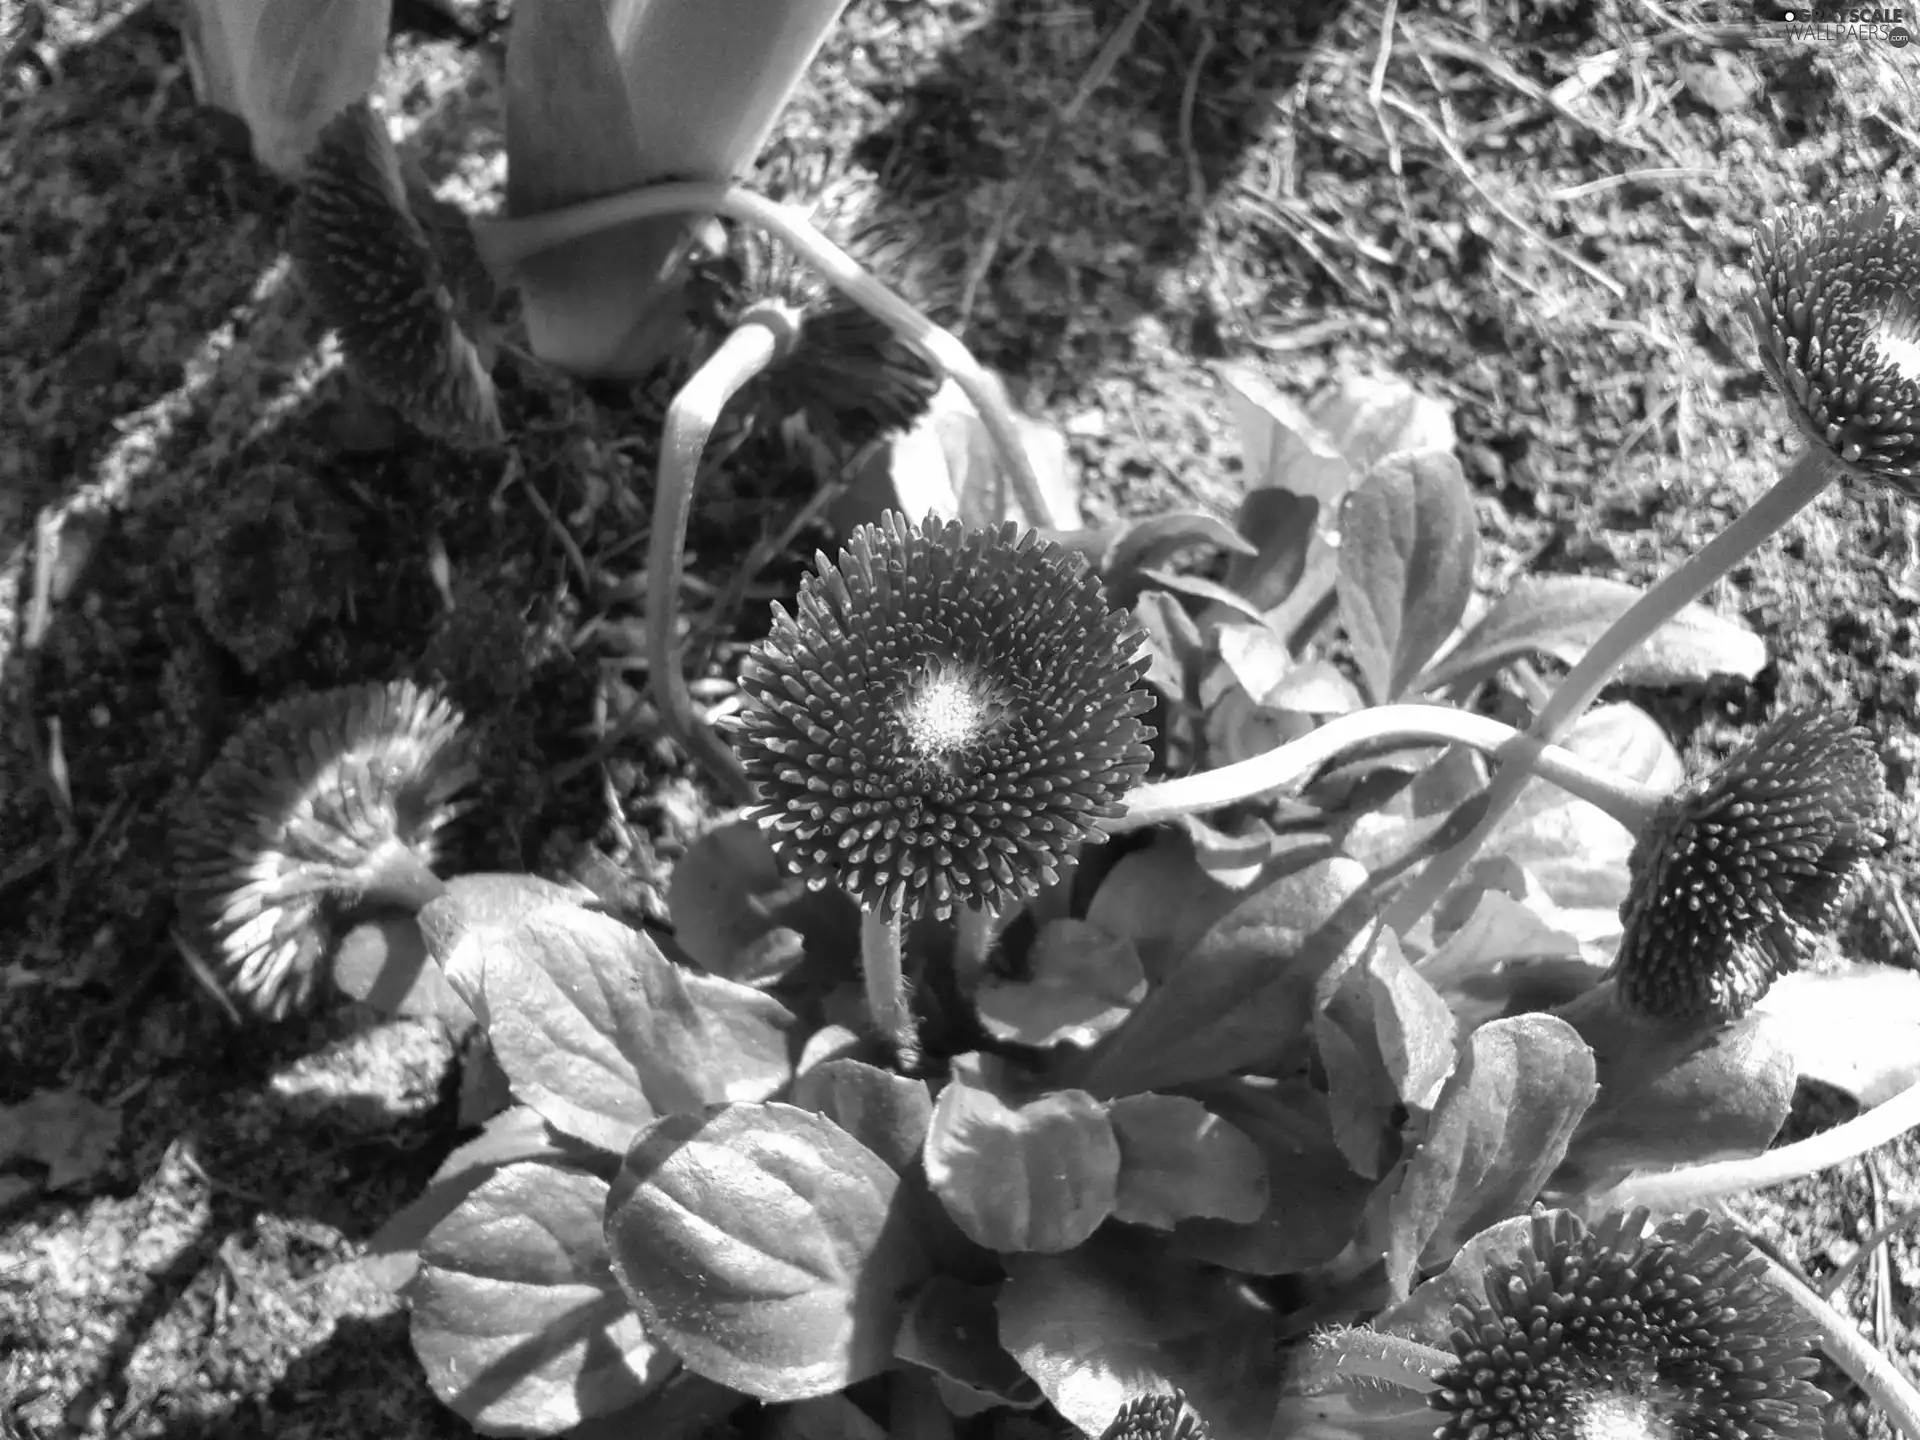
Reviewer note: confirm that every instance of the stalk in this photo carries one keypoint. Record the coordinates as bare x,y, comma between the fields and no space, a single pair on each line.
514,243
972,939
1872,1371
766,332
1681,1189
1291,765
882,965
1805,479
605,96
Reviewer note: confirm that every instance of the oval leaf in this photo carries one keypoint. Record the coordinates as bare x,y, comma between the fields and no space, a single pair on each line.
737,913
1856,1028
599,1032
887,1113
1179,1161
1084,983
769,1248
516,1317
1501,1127
1039,1176
1407,543
1244,993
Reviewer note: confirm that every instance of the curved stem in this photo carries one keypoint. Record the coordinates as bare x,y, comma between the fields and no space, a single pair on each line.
1872,1371
1679,1189
972,940
1337,1356
506,242
765,333
882,966
1805,479
1288,766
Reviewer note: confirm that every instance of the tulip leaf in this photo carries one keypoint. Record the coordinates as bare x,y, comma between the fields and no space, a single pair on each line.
1179,1161
516,1317
1123,1317
1407,544
1039,1176
599,1032
1315,1198
1500,1128
1562,616
770,1249
887,1113
1084,982
1243,995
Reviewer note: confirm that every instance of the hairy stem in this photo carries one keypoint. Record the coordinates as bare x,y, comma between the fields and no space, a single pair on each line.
506,242
1291,765
972,939
764,334
1805,479
883,966
1872,1371
1681,1189
1335,1356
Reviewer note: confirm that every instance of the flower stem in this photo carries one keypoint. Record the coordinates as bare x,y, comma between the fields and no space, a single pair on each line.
972,939
765,332
506,242
882,963
1355,1351
1680,1189
1871,1370
1806,479
1293,764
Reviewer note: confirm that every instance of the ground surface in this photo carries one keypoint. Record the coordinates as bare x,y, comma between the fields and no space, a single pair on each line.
1537,212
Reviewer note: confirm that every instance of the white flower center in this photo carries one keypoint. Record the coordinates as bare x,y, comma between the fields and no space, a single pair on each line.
1604,1415
948,708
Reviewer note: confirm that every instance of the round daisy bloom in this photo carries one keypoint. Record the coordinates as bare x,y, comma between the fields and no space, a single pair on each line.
847,374
395,272
1837,310
947,714
1741,874
1157,1417
321,809
1594,1333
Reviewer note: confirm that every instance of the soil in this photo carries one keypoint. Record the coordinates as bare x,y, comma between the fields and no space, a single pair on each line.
1538,212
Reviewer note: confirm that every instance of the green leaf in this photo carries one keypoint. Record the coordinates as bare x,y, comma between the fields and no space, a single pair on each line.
383,962
1175,648
1674,1099
1179,1161
770,1249
1142,544
1314,1204
739,915
473,903
599,1032
953,1330
887,1113
1160,901
392,1254
1576,850
516,1318
1126,1316
1244,994
1385,1038
1426,1314
1084,983
1370,417
1503,955
1407,544
1501,1127
1562,616
1856,1027
1281,446
1038,1176
1282,529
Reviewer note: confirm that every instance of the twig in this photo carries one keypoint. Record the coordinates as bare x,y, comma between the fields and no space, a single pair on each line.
560,533
1593,272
